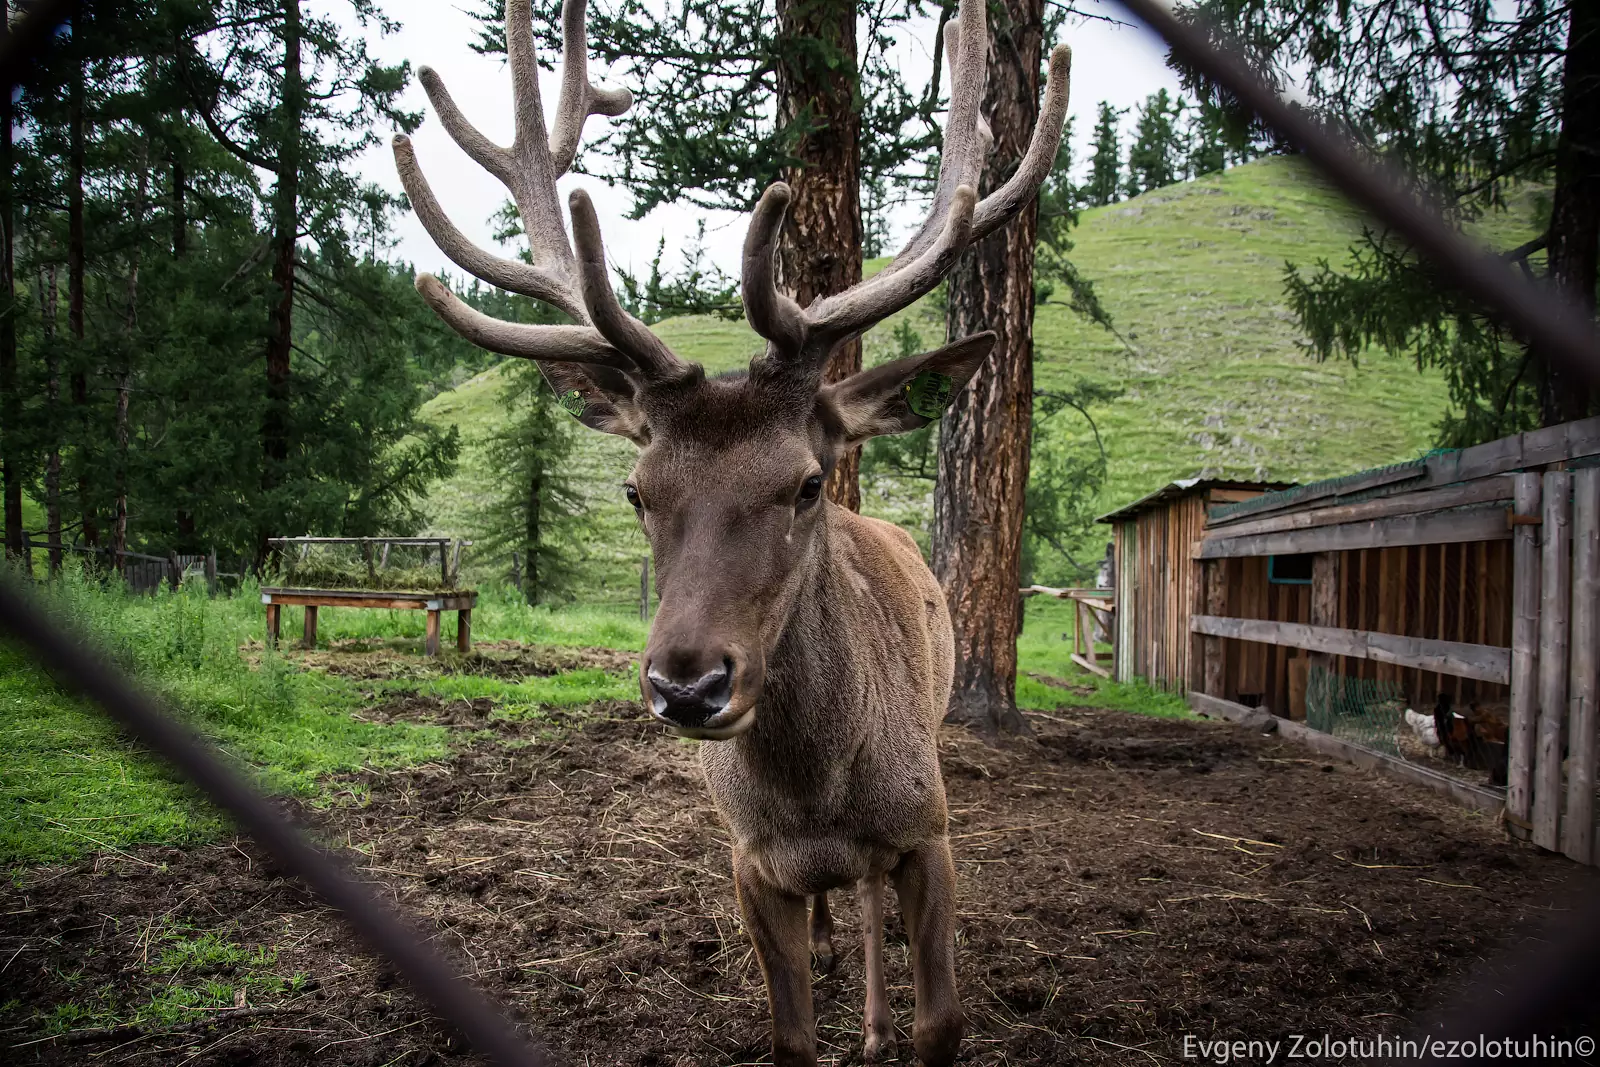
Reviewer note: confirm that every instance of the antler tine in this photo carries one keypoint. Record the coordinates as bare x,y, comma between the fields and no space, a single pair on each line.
565,344
510,274
966,135
651,355
770,313
856,309
999,206
580,97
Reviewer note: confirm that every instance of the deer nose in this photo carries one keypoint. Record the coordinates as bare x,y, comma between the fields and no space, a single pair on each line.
685,702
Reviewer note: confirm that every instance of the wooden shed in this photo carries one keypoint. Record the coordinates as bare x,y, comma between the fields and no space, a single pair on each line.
1471,573
1155,575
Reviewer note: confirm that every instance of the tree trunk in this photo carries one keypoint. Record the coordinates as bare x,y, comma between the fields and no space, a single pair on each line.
180,214
1574,247
531,534
285,229
75,266
10,396
984,436
52,397
820,251
119,511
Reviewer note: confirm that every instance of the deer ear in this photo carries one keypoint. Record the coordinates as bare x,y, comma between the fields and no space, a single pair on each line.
905,394
599,397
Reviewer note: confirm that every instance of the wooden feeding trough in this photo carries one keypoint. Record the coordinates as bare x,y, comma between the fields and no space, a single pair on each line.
378,587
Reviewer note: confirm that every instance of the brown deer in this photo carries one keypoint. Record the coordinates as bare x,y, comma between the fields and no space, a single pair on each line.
808,645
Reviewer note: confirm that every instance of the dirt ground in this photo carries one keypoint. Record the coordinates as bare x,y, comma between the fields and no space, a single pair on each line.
1125,881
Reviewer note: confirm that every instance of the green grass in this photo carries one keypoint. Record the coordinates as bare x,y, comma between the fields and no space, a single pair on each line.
1045,649
187,973
1193,276
70,783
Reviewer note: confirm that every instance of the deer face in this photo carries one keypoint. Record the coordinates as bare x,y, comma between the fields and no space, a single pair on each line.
729,488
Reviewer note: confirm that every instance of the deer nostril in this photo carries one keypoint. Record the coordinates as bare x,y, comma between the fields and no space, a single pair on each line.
691,703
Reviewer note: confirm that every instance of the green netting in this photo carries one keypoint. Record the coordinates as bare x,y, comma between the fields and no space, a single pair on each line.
370,565
1365,711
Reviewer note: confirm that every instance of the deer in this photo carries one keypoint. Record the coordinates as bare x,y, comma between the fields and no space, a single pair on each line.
808,648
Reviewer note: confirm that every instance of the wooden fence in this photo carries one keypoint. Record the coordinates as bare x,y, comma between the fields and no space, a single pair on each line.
142,572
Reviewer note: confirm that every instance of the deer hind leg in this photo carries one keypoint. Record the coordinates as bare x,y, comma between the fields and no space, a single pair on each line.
822,958
926,883
877,1025
777,924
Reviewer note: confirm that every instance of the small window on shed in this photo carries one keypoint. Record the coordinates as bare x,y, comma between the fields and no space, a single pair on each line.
1290,570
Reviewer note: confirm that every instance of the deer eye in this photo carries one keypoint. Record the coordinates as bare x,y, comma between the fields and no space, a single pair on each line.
810,488
633,496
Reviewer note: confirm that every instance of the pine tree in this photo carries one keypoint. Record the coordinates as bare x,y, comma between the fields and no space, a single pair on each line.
1156,157
1474,99
1105,174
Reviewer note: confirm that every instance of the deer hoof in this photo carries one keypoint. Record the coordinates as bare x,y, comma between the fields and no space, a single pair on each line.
878,1046
822,958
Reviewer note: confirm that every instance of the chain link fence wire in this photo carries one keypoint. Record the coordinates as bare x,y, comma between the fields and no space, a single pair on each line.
1365,711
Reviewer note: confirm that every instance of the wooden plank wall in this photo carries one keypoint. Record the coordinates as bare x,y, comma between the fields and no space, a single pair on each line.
1162,589
1459,592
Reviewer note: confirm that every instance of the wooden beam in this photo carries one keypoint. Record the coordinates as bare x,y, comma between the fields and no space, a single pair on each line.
1583,688
1524,653
1474,797
1293,498
1455,658
1484,491
1445,527
1555,591
1093,668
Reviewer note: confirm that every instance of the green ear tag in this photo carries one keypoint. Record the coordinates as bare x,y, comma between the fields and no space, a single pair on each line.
928,394
574,403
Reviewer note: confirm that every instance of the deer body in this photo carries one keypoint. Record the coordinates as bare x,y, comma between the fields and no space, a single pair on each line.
839,776
807,646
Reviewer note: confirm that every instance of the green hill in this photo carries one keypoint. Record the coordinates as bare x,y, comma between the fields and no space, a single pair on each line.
1192,275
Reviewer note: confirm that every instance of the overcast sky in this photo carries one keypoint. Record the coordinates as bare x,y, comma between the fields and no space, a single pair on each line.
1117,63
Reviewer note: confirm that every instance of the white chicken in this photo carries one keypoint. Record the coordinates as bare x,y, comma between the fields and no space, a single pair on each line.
1423,726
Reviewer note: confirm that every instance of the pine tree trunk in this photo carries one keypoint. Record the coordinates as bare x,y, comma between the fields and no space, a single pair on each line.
820,252
1574,236
531,532
75,268
119,511
48,301
10,397
984,436
285,228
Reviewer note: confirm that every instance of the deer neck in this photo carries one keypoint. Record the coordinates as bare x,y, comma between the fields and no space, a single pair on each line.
812,708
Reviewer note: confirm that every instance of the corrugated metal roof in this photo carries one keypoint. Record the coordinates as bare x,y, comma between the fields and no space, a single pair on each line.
1181,488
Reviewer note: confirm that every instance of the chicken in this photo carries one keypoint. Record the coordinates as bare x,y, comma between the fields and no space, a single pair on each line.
1423,726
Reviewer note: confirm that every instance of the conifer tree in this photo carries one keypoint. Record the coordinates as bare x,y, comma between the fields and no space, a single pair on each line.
1105,174
1157,156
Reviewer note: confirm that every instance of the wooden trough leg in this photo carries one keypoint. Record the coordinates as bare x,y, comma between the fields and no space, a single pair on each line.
431,643
309,639
464,631
273,611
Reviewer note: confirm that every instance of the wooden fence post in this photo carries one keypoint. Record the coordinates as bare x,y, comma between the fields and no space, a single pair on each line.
1524,651
644,590
1584,685
174,571
1324,612
1555,581
1216,604
211,573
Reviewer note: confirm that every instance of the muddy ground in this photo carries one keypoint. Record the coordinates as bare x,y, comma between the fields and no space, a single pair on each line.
1125,881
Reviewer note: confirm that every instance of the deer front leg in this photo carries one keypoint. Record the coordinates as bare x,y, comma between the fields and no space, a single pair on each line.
877,1025
777,924
822,958
926,884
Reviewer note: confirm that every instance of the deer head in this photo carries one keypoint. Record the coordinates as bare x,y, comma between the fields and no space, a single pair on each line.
730,469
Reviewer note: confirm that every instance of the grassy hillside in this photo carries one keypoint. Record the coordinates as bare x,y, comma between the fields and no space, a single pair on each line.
1217,383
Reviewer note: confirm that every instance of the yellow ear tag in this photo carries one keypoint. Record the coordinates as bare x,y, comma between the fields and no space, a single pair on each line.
574,403
928,394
